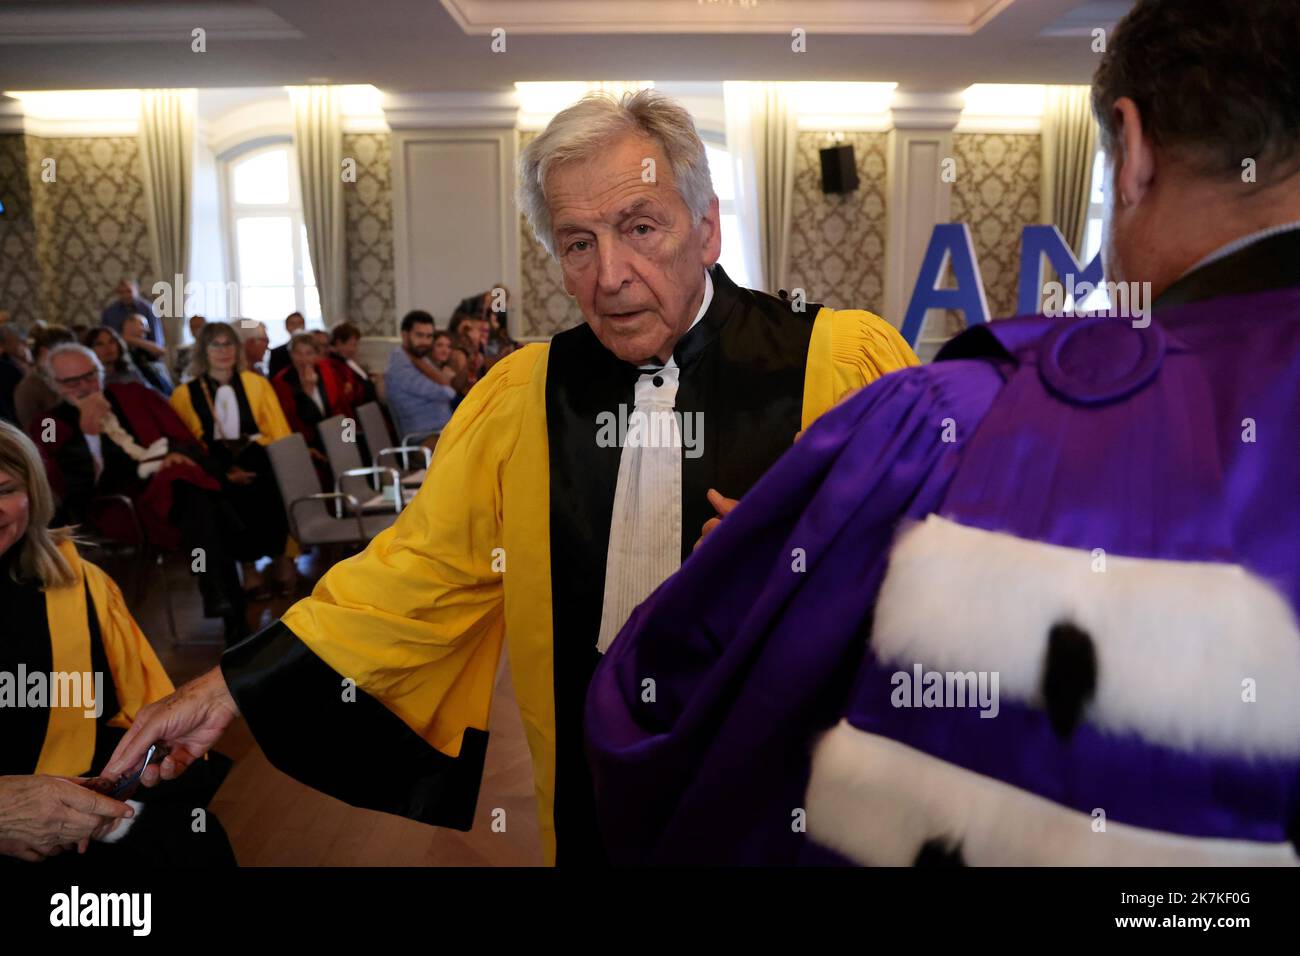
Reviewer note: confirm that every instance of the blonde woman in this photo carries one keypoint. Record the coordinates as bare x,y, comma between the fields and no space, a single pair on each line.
65,618
235,413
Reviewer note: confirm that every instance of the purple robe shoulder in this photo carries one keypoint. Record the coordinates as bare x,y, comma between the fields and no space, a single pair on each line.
1034,603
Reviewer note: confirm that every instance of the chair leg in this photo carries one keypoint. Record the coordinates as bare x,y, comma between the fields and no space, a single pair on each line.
167,598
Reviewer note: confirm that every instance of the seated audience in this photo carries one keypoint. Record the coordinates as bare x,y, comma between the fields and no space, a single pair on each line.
34,395
122,438
496,341
468,358
183,353
253,335
127,304
111,350
293,324
311,390
64,615
420,403
236,414
345,339
14,361
145,354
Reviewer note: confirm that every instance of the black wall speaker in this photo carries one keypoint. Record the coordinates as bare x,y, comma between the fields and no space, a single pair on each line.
839,171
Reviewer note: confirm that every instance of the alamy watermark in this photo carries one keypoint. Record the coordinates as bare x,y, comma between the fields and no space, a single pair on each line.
1125,300
654,428
38,689
922,688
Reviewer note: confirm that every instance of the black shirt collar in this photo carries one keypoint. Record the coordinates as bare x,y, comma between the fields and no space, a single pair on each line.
1271,263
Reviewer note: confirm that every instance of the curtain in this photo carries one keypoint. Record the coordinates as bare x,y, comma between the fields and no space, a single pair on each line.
1069,148
166,137
318,143
761,132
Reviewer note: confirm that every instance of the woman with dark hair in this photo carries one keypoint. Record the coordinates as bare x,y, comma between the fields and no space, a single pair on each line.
358,386
236,414
66,617
111,349
310,390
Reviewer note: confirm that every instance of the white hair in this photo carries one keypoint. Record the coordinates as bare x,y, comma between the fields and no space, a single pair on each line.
248,329
63,348
581,130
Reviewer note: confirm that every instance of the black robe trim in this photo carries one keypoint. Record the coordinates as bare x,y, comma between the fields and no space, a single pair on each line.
199,401
1270,263
359,751
742,367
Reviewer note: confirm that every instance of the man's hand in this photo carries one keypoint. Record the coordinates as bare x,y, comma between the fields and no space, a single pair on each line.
308,379
723,506
148,345
93,409
189,722
238,476
175,458
42,815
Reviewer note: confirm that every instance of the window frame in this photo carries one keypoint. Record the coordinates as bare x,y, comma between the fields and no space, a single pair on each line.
726,207
232,212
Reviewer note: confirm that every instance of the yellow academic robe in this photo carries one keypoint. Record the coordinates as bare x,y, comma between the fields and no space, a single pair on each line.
138,677
266,409
419,620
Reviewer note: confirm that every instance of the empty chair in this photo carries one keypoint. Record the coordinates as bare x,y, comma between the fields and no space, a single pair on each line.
340,441
373,426
310,521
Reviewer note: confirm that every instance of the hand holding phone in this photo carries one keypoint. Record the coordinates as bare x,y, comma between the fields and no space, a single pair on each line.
125,786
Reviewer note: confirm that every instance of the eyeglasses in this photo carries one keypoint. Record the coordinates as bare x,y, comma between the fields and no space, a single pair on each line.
224,344
84,379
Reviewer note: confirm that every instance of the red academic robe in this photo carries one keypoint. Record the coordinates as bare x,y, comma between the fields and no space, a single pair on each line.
70,466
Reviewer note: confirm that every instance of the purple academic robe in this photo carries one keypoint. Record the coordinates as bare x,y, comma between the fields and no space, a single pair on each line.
1034,603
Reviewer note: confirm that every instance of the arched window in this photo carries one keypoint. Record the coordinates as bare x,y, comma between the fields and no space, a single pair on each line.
268,241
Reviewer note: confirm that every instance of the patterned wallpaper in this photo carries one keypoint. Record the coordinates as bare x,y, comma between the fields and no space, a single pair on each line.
997,195
90,223
546,307
20,272
837,243
73,239
368,208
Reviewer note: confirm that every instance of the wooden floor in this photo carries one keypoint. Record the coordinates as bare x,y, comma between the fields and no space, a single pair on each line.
275,821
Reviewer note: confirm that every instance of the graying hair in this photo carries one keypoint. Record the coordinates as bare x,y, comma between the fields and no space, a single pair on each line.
63,348
582,129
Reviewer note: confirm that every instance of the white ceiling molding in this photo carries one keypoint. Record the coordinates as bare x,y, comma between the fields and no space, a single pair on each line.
942,110
11,115
880,17
1087,17
998,108
79,128
69,113
477,110
140,23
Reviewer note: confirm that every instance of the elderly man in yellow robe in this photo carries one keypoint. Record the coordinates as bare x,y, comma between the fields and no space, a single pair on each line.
572,480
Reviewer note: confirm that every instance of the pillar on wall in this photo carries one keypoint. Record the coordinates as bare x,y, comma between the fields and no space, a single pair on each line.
455,222
919,195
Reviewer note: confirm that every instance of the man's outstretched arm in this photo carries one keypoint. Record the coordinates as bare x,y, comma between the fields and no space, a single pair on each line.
377,688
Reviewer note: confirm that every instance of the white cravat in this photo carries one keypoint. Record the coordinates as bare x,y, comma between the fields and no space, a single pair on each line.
225,413
645,534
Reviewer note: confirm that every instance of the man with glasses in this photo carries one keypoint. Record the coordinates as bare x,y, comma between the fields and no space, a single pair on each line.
124,439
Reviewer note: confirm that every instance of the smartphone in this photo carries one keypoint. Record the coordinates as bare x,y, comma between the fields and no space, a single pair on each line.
124,787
